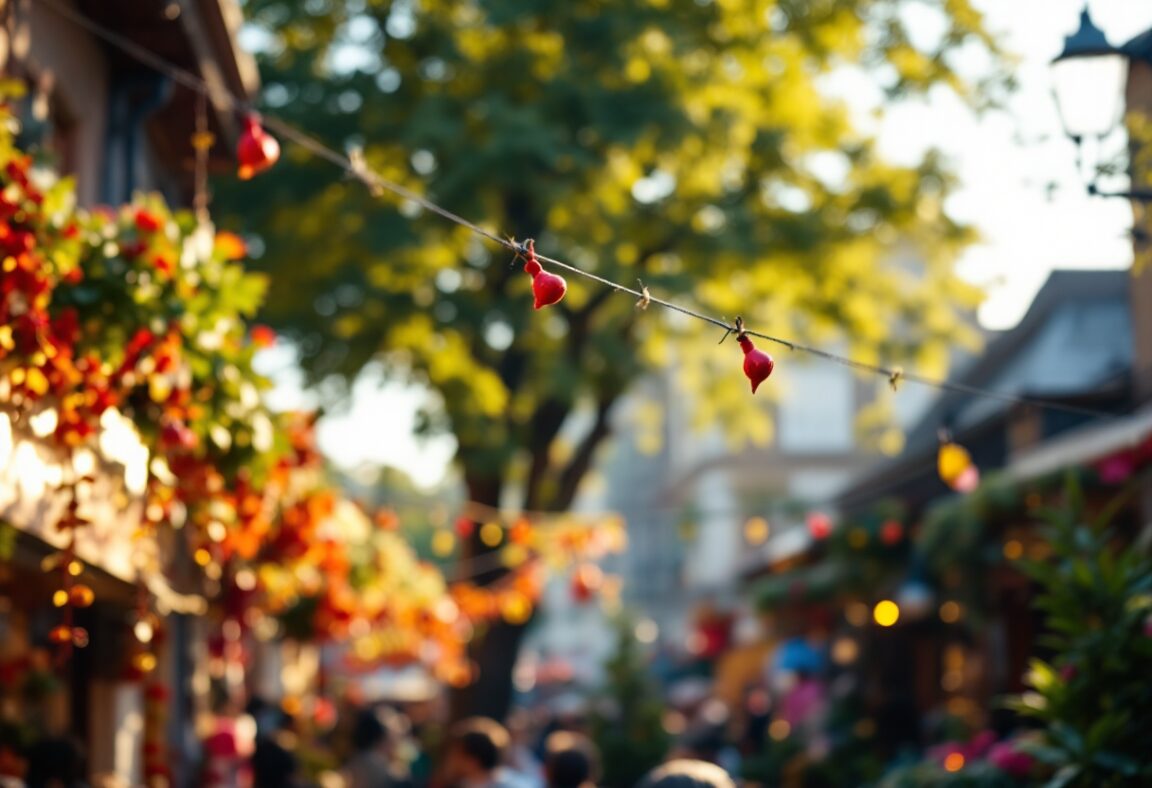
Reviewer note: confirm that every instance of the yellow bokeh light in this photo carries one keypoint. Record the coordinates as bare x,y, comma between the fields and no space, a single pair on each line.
60,598
756,530
844,651
491,534
1013,549
443,543
513,555
202,557
143,631
952,461
886,613
144,662
857,614
950,612
75,568
779,730
954,762
516,608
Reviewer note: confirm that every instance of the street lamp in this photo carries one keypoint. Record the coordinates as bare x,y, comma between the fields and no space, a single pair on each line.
1087,78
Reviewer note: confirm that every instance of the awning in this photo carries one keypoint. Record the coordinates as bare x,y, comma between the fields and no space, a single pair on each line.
33,468
815,583
1082,446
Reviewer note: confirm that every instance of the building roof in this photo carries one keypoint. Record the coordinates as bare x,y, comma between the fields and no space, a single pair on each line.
1140,47
1074,342
200,36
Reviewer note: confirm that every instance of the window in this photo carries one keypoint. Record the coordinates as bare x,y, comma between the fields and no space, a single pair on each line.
815,414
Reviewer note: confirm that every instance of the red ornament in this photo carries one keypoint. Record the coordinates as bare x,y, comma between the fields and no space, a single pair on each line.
819,525
262,336
257,150
891,532
547,288
586,580
465,527
758,365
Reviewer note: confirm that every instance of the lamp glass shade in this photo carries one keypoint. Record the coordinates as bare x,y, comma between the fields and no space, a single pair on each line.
1089,89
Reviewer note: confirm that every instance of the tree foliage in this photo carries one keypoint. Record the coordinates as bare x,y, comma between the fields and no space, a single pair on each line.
693,145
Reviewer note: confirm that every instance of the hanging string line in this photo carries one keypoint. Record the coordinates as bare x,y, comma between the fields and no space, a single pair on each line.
354,166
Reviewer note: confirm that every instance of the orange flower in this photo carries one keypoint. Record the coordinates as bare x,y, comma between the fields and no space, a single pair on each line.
230,245
263,336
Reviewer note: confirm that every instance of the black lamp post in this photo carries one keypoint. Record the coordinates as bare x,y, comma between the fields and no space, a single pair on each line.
1088,82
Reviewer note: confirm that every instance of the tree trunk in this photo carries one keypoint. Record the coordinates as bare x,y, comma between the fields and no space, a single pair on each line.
493,651
490,694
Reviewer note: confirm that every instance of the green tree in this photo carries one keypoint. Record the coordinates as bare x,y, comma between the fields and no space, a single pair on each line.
692,145
1093,694
628,727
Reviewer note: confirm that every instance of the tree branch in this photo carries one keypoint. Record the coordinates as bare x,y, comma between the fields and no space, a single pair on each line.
581,462
542,430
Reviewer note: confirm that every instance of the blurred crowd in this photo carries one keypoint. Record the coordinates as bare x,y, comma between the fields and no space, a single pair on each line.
385,749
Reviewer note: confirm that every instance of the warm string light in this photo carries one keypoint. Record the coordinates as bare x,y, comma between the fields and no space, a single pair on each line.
72,594
202,141
955,466
259,153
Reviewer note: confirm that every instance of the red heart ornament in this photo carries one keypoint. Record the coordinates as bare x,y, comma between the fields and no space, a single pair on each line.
758,365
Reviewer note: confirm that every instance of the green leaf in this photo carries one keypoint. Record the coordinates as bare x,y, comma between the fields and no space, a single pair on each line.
1117,762
1063,777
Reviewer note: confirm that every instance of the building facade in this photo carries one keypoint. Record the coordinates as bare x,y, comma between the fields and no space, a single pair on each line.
118,127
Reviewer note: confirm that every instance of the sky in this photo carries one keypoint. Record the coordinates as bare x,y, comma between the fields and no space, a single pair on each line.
1004,160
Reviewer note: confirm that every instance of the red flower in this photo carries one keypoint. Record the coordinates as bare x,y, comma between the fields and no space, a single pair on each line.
148,222
163,264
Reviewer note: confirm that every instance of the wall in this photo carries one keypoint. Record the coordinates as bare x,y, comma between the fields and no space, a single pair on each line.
1139,101
68,64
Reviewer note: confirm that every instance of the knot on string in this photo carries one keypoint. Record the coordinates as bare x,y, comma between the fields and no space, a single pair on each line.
742,335
532,266
896,377
645,296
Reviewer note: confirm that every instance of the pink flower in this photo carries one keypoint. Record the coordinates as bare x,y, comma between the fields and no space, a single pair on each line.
981,743
1008,759
1115,469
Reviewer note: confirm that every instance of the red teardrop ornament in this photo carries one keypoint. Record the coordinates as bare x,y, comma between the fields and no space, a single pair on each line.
547,288
257,150
758,365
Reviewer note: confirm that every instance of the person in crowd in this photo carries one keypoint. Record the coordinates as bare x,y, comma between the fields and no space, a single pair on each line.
274,763
521,761
227,747
372,764
475,754
570,761
12,762
687,774
56,762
